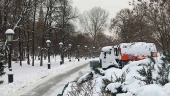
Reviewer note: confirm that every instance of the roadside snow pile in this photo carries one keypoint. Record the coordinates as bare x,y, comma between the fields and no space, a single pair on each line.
23,82
148,77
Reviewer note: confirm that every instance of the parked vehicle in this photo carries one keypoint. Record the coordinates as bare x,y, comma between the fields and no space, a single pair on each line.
125,52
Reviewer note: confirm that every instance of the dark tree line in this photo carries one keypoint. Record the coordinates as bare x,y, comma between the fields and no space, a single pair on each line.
35,21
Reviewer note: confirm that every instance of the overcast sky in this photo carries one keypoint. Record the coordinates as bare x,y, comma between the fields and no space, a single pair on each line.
112,6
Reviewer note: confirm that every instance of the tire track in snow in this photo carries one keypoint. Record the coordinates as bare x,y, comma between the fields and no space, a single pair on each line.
47,87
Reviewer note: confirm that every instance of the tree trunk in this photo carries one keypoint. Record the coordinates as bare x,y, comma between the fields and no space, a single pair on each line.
28,54
19,43
33,29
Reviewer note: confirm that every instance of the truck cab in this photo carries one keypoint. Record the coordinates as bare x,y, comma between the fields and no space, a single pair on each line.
107,57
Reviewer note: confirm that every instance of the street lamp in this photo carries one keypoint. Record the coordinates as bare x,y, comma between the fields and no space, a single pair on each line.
85,52
93,52
69,46
9,33
38,53
48,45
61,48
78,46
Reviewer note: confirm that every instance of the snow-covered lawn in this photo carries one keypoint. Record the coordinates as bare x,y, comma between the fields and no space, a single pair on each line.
28,75
130,85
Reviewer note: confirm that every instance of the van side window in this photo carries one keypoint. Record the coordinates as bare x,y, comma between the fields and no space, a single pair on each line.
104,54
110,51
116,51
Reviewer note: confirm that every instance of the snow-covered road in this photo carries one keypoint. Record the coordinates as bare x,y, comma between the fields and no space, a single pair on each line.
27,78
55,84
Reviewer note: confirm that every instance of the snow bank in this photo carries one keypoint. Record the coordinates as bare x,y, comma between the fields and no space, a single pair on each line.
113,87
28,75
150,90
130,86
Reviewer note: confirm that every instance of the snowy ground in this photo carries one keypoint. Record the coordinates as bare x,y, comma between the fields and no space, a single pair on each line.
58,90
27,77
130,86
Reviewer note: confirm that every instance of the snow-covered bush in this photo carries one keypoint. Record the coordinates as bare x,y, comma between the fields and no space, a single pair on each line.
135,79
82,89
163,69
105,83
85,85
98,70
85,78
2,66
147,73
116,84
114,88
166,57
121,78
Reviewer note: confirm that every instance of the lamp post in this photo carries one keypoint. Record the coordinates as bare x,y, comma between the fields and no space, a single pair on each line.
69,46
93,52
61,49
85,51
9,33
78,46
48,45
38,53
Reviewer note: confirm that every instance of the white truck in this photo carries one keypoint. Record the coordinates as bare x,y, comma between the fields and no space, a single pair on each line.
121,54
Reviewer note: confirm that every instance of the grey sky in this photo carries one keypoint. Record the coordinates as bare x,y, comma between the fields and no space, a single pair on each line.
112,6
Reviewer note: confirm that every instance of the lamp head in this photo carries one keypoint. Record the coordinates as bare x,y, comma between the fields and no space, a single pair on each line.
48,43
61,44
9,33
69,45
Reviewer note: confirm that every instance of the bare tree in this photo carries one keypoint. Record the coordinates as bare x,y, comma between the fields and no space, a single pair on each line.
158,14
94,21
132,25
66,14
155,14
121,26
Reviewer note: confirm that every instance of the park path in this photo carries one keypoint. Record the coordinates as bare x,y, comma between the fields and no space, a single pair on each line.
47,88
